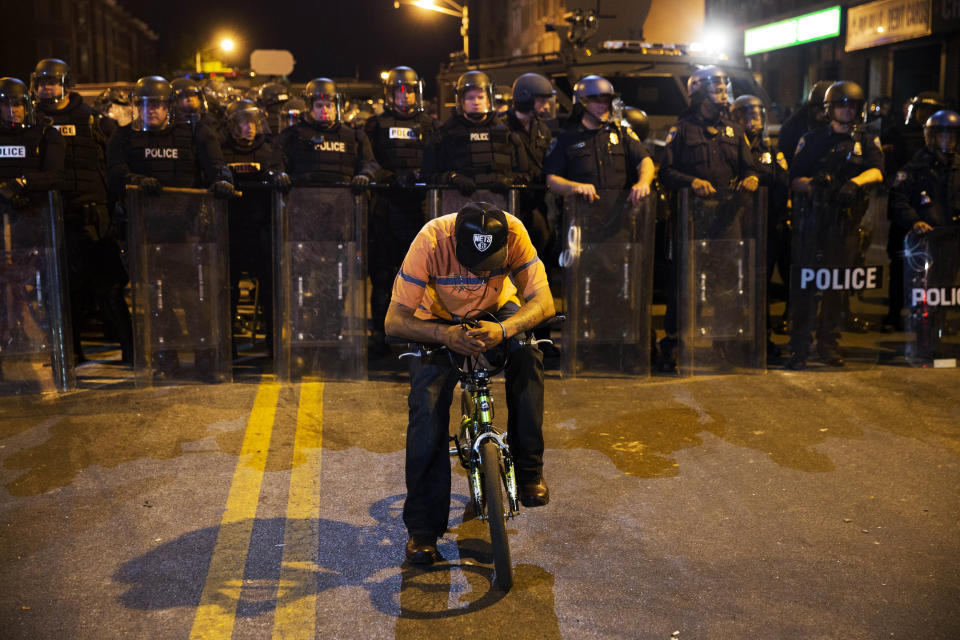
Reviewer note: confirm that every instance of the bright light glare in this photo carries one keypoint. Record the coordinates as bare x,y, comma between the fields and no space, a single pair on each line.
426,4
227,44
715,40
384,75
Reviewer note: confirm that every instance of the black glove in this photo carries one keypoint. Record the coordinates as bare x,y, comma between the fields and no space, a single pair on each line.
359,183
281,181
10,189
385,177
848,192
464,184
223,189
148,185
822,181
501,184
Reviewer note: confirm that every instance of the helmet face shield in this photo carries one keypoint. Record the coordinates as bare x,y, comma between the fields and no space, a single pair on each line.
48,88
942,139
16,109
406,97
845,110
122,113
152,113
474,95
749,111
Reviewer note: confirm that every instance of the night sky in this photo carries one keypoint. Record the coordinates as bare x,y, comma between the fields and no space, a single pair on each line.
337,39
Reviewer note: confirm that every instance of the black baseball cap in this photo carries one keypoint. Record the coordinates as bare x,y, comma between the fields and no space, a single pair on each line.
481,236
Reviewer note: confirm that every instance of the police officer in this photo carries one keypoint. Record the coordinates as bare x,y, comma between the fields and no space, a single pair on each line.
96,273
532,97
925,195
155,151
901,143
808,117
748,111
707,152
32,151
190,105
257,169
398,136
319,150
839,160
594,151
271,97
474,149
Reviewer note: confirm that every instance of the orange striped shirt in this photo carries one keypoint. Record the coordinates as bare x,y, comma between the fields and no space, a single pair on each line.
434,283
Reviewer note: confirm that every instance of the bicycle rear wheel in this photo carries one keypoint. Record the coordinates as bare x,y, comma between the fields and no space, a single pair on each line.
493,492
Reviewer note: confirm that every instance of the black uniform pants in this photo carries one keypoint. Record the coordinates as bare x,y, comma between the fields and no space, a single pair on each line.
432,382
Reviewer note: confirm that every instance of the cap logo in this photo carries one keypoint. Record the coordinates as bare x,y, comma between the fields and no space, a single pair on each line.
482,241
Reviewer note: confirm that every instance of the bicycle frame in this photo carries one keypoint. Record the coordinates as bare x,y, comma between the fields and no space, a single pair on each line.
476,426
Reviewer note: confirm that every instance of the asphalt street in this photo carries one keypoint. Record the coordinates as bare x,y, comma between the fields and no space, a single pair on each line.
818,504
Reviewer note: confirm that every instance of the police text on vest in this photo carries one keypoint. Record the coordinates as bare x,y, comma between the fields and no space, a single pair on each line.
162,154
482,136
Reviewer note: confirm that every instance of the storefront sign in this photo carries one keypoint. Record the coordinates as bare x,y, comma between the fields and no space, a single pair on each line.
886,21
787,33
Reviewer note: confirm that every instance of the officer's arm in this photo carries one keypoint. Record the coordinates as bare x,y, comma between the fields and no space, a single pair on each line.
366,164
53,152
117,167
670,175
211,156
873,156
431,169
901,207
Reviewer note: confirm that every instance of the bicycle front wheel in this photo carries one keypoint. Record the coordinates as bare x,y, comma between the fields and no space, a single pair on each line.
493,481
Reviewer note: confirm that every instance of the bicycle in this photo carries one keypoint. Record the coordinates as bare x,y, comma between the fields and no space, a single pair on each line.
483,451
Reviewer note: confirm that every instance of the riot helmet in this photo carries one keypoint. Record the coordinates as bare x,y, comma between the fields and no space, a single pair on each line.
596,96
922,106
941,132
749,111
713,81
481,232
151,102
16,109
245,121
816,114
527,89
474,95
879,108
290,112
323,90
189,101
271,95
114,103
403,91
637,120
50,81
845,94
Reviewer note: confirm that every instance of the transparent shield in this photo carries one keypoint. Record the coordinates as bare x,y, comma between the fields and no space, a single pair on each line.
36,350
721,282
443,201
180,283
320,327
608,279
836,277
931,264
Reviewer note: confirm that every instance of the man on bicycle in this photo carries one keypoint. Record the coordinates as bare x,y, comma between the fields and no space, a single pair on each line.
477,264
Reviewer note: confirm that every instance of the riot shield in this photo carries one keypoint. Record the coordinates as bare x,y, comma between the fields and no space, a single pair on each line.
320,323
932,295
181,287
36,350
832,270
608,278
721,282
441,201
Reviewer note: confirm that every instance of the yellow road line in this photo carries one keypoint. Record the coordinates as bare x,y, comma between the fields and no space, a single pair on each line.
217,611
295,614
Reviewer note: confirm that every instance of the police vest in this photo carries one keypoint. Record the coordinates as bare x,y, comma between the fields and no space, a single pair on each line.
477,150
84,164
248,165
597,157
321,155
844,159
166,155
398,143
20,152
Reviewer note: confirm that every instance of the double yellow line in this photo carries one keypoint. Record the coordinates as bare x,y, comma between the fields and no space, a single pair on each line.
295,613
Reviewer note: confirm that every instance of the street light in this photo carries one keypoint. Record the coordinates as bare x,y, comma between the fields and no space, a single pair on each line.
446,7
226,45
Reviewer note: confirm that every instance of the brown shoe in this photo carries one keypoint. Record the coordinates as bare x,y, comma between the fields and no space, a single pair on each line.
422,550
534,494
